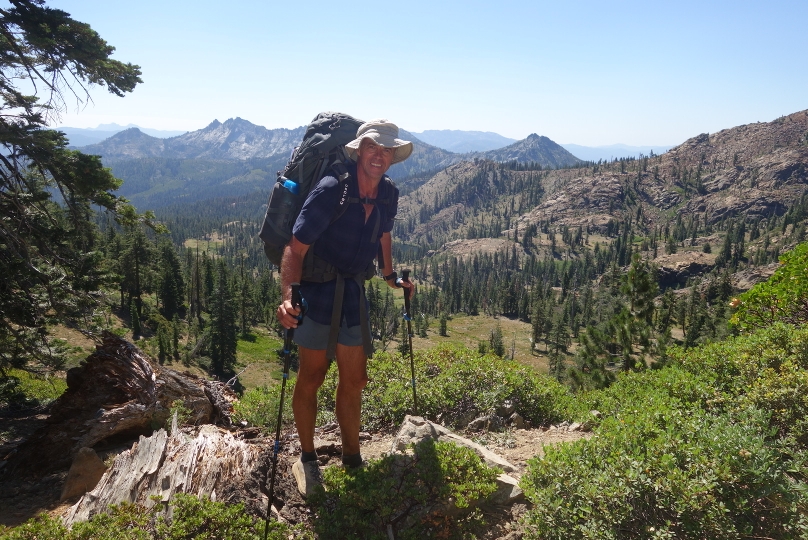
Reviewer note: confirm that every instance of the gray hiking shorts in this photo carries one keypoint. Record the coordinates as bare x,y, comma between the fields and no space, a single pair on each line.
313,335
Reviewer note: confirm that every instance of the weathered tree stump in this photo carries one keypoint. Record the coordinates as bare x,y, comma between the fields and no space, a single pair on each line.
214,464
116,395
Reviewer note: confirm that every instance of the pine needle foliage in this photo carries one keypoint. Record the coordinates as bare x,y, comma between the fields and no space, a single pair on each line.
49,259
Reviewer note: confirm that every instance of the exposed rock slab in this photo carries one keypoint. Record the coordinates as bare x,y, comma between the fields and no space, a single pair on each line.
84,474
746,279
415,429
677,268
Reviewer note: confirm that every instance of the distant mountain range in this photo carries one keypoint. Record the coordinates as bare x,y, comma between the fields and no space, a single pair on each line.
85,136
235,139
239,139
451,140
534,149
237,157
460,142
613,151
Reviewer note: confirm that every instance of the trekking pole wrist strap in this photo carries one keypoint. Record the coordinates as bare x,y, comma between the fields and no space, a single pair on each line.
392,275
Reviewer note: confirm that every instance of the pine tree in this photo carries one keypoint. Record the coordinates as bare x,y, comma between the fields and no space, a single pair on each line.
404,341
208,281
243,301
627,334
593,361
50,262
223,339
424,326
135,318
163,343
559,344
496,341
176,334
171,283
725,256
137,256
482,347
538,322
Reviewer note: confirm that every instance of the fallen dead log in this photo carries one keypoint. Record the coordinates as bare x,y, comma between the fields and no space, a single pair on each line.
116,395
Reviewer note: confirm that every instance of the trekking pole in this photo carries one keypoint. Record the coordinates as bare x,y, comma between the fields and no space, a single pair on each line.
407,317
287,354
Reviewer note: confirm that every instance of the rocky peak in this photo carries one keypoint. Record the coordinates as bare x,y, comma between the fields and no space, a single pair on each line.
128,143
535,148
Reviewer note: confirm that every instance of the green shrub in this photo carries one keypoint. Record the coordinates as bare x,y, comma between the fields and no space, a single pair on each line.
781,298
659,472
22,388
669,388
192,518
183,413
41,527
259,406
405,491
451,383
767,369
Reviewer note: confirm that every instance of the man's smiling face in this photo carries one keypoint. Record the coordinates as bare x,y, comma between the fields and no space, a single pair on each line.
374,160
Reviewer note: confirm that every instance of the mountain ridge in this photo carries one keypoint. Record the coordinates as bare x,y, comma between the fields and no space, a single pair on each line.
461,141
235,139
754,171
246,158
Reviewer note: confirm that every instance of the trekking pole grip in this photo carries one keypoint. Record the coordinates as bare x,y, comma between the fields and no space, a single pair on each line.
405,276
296,300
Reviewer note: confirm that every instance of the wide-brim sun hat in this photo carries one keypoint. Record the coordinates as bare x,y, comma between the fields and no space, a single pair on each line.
384,133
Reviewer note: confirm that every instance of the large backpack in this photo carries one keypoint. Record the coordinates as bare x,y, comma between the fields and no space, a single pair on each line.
323,146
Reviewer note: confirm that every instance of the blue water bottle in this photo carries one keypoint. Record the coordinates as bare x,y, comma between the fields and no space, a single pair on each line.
292,186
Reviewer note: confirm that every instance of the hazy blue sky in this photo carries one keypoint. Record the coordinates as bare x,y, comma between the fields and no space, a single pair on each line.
591,73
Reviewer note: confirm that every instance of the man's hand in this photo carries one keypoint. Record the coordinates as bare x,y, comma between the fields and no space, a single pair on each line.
288,314
408,286
291,270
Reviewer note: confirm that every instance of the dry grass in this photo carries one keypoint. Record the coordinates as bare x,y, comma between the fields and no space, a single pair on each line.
469,330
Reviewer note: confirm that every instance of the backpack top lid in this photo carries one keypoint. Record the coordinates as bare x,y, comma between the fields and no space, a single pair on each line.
323,143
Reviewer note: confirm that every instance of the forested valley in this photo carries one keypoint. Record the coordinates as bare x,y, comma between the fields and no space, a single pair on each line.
656,303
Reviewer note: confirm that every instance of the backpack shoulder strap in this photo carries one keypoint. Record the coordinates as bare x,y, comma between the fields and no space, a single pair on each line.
387,192
343,177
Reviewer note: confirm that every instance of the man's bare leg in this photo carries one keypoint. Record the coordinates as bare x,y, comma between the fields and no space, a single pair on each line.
310,376
353,377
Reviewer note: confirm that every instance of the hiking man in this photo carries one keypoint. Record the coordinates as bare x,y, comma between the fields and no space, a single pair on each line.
349,244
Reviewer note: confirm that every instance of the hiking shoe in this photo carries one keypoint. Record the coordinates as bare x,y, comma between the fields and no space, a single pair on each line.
308,476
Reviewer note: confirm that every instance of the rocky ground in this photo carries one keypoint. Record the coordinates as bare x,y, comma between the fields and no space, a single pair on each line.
22,499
